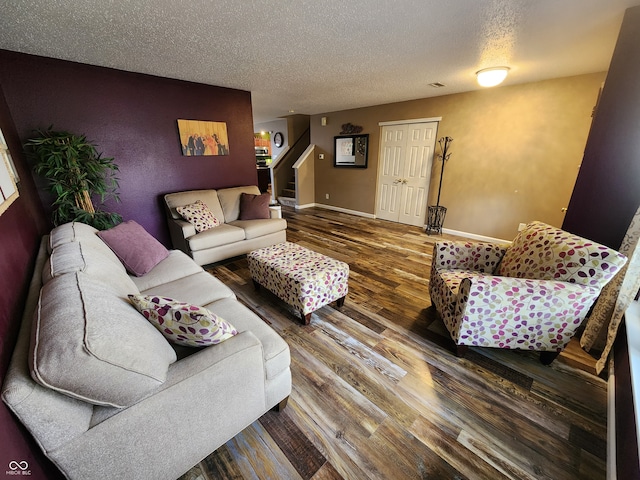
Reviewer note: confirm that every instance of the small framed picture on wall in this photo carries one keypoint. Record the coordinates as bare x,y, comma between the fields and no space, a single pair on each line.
351,151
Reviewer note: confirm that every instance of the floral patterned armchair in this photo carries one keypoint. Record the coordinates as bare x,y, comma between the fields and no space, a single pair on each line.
532,294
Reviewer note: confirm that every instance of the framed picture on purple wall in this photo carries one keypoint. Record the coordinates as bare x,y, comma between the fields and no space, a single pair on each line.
199,137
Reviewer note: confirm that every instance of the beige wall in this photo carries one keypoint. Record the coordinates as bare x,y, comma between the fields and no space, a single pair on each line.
305,181
296,126
515,155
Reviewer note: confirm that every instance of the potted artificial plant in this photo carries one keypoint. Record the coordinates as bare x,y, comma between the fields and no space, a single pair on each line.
75,172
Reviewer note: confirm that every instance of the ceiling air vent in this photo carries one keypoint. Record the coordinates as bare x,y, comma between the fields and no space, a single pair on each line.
437,85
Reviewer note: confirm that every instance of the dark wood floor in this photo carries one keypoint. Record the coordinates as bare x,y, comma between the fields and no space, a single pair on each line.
378,393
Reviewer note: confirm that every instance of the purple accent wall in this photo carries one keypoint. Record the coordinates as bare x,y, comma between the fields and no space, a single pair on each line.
607,195
132,117
607,191
21,227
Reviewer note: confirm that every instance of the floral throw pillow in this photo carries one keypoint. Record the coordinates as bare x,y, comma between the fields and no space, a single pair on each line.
199,215
182,323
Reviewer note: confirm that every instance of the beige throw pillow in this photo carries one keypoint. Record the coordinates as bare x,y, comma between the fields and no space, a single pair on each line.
199,215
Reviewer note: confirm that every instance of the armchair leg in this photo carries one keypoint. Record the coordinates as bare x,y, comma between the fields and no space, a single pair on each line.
547,357
280,406
461,350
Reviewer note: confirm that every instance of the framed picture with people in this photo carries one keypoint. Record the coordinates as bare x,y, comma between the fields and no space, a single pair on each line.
200,137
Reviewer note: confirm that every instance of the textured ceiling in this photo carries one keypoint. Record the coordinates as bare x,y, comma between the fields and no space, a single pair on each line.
315,56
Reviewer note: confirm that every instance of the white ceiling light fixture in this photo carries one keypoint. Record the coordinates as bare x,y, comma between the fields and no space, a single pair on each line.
490,77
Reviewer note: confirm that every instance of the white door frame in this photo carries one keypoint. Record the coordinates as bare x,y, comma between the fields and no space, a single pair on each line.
391,190
413,120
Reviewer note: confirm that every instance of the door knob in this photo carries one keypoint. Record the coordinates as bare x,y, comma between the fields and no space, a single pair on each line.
396,181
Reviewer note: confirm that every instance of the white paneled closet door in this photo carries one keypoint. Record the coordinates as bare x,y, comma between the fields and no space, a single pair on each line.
406,157
390,169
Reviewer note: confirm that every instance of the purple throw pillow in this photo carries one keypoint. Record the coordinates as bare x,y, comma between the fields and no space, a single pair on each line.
138,251
253,207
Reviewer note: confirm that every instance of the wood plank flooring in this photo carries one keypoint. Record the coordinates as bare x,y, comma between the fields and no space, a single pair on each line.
379,394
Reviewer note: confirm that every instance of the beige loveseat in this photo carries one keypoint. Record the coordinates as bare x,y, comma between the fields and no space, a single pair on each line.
102,391
233,237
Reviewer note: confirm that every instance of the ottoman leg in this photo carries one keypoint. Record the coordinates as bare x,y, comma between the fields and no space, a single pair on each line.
256,285
340,301
306,318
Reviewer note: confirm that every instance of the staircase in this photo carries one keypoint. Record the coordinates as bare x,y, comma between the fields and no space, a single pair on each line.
288,196
284,175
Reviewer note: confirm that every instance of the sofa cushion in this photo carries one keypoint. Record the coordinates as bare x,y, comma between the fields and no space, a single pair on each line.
177,265
86,234
230,200
138,251
543,252
199,215
222,235
70,232
259,228
199,289
253,207
208,197
92,345
275,349
65,258
183,323
86,257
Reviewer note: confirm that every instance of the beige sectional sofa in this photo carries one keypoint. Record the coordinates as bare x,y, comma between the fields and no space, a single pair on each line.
233,237
102,391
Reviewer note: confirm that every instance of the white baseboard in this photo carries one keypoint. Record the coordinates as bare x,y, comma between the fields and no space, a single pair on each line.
473,236
339,209
306,205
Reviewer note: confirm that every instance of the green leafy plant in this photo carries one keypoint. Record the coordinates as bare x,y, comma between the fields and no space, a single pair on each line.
75,172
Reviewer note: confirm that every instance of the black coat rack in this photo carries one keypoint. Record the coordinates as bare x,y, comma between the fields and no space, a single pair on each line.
436,213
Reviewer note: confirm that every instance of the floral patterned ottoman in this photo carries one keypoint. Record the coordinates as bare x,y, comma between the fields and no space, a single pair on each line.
304,279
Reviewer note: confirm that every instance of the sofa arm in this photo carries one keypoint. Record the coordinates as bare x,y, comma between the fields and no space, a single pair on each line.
508,312
208,398
460,255
241,345
180,230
